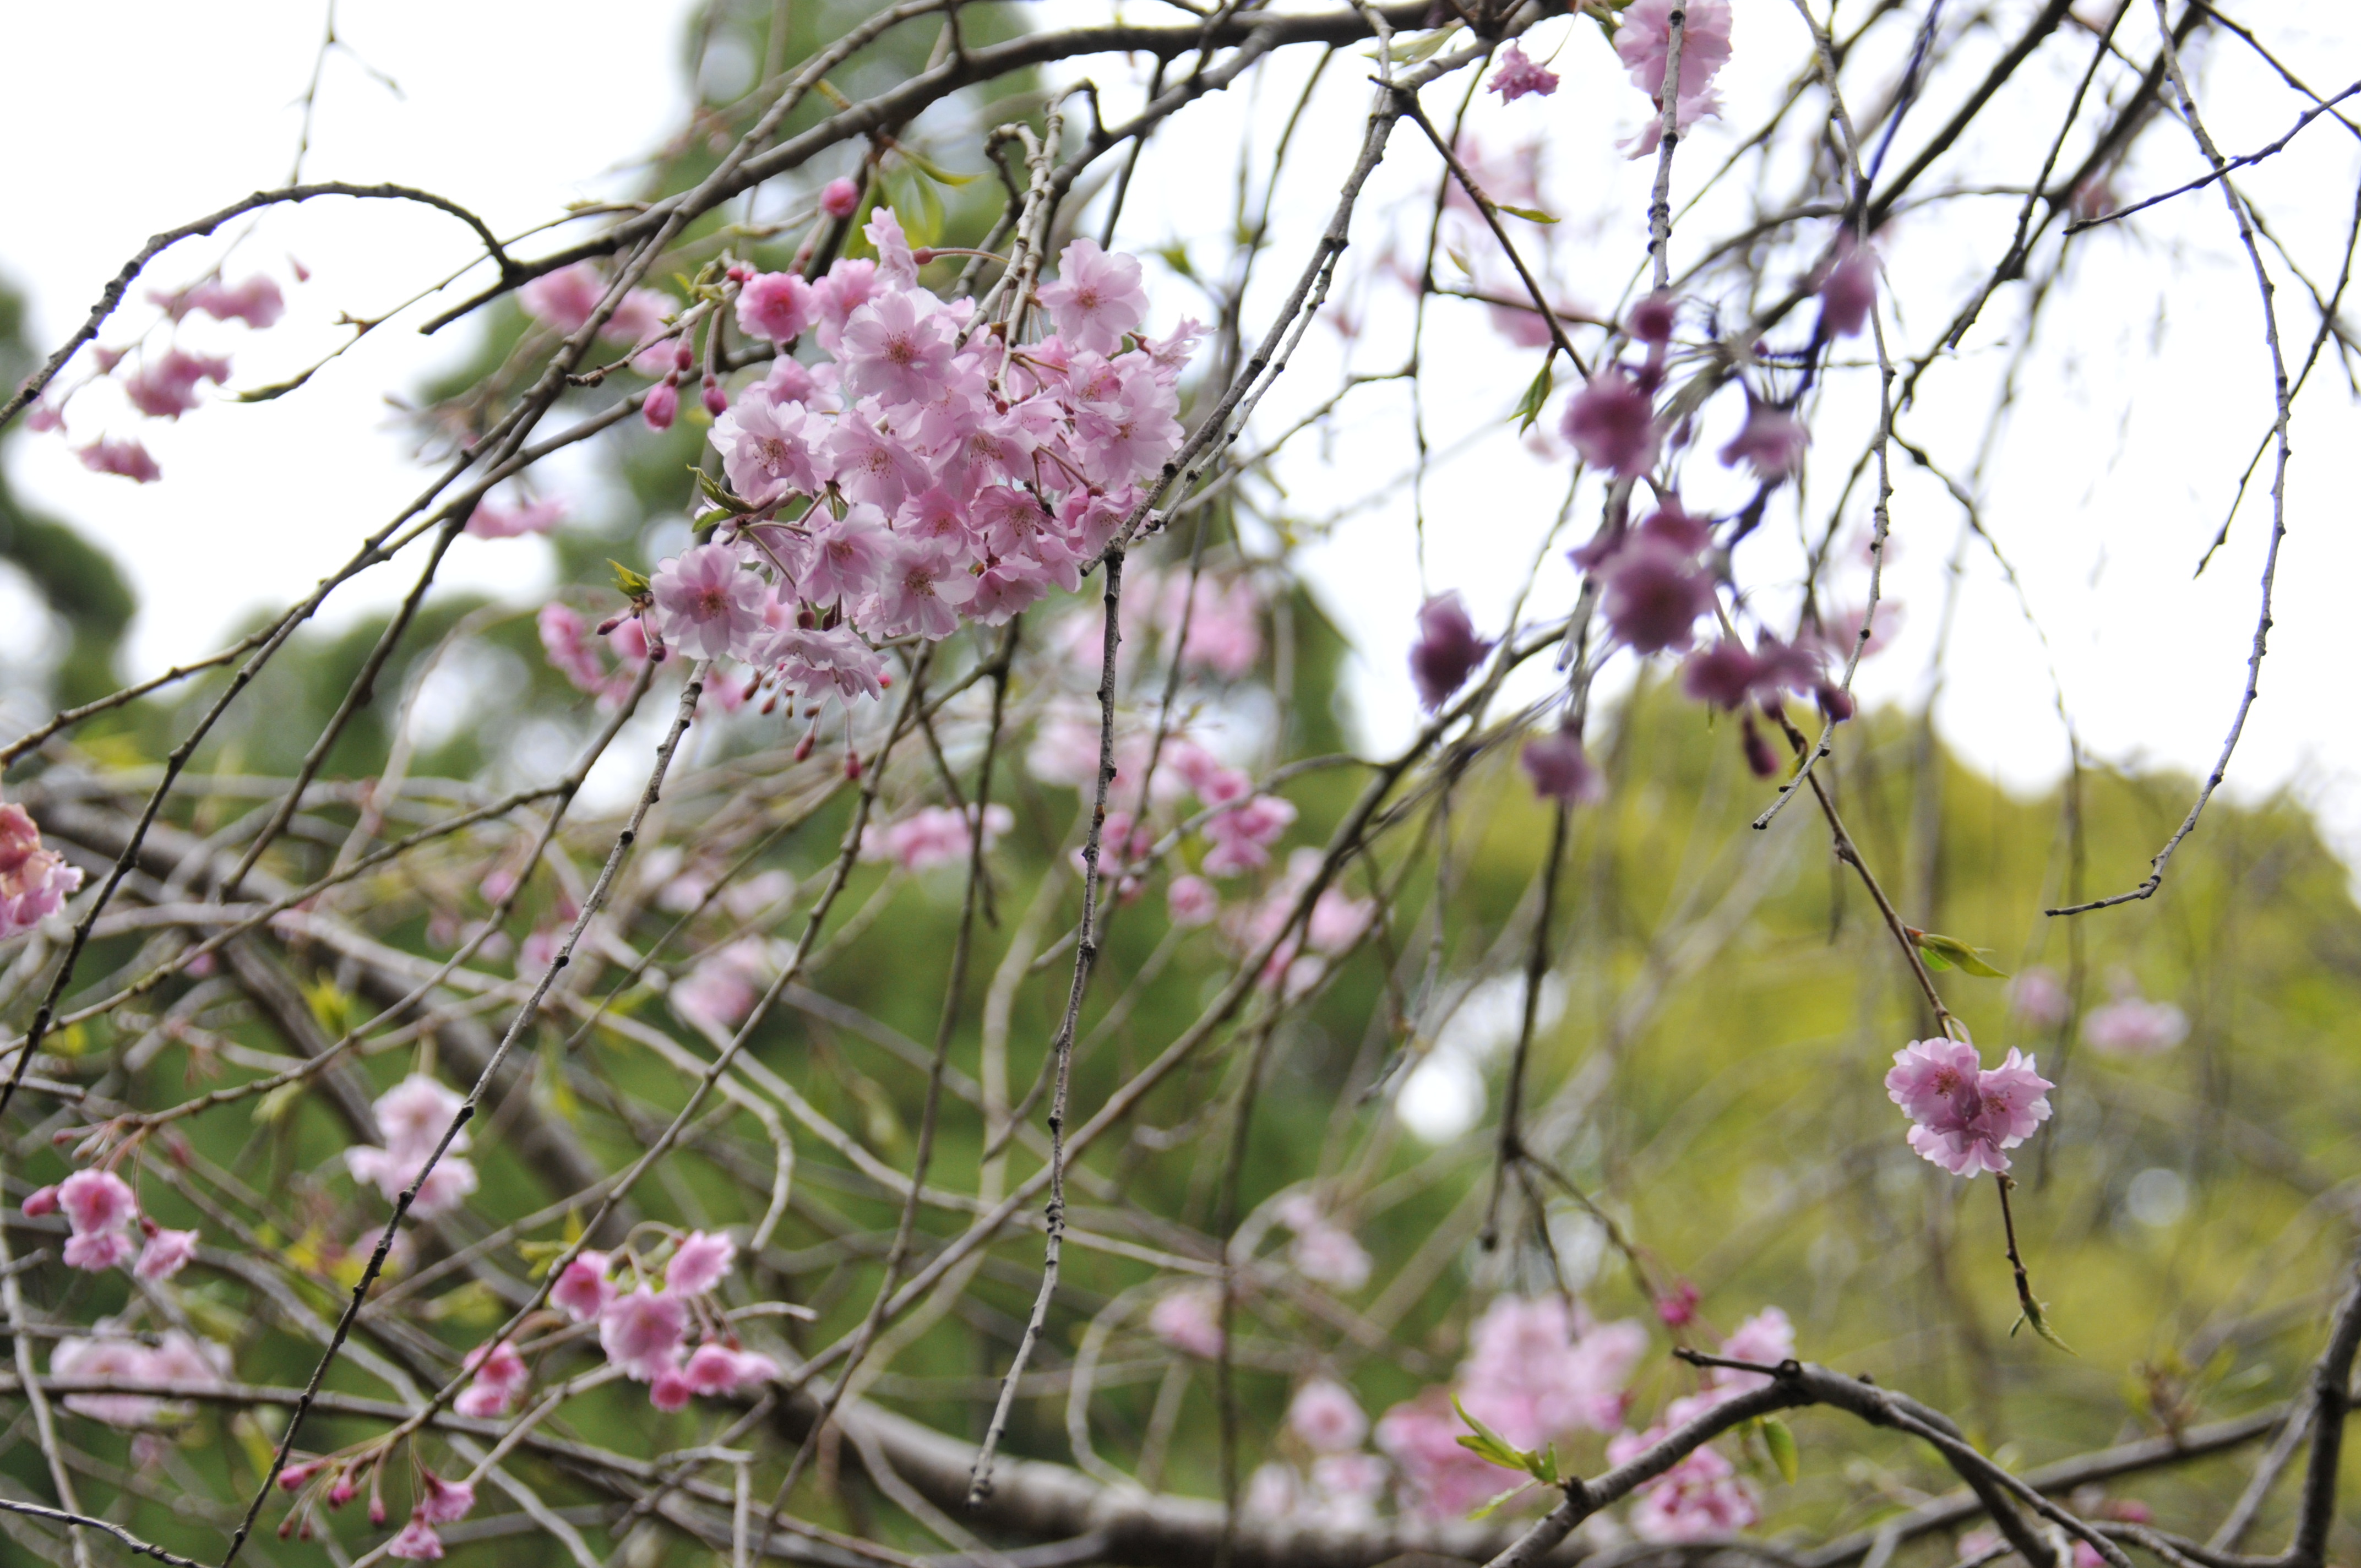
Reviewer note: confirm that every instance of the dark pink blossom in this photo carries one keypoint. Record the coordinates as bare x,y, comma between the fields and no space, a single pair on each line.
839,198
1519,75
776,305
1560,769
1651,321
661,406
1654,595
125,458
1613,424
1447,650
1724,674
1770,442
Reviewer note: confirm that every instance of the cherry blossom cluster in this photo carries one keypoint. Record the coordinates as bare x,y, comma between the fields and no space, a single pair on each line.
1703,1496
336,1479
1963,1114
107,1229
2129,1024
34,882
933,836
112,1355
644,1331
930,470
162,383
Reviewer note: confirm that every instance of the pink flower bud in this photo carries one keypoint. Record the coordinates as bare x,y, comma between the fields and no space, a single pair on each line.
663,403
717,401
44,1201
839,198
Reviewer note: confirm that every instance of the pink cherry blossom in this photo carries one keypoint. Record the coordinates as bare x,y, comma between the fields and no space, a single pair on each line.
107,1359
441,1501
1611,423
839,198
1560,769
820,663
1447,650
1325,1414
34,882
98,1250
256,300
166,387
494,521
638,315
126,458
413,1115
1766,1337
1190,1320
894,350
715,1368
583,1289
1963,1114
1770,442
895,266
641,1331
501,1378
770,449
563,299
1192,901
933,836
1537,1370
776,305
1241,836
417,1542
1518,76
872,465
1849,290
1440,1479
1655,595
699,1263
96,1201
920,593
848,556
707,604
1652,319
1644,42
1724,674
2037,998
1097,299
165,1254
1224,635
2130,1027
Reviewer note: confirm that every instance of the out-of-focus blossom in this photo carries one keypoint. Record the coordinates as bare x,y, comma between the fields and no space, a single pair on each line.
583,1290
412,1115
1770,442
1849,290
933,836
126,458
699,1263
1612,422
1189,1319
2131,1026
34,882
1560,769
489,520
165,1254
641,1331
1325,1414
1192,901
839,198
2037,998
1447,650
1644,42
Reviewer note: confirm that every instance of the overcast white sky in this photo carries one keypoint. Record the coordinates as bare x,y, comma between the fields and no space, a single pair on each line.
2117,465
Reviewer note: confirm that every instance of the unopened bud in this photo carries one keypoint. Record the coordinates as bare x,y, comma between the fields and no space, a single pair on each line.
1759,755
717,401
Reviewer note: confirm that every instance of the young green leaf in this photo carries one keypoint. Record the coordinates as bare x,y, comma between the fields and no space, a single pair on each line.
634,585
1528,214
1940,952
1529,406
1491,1506
1781,1442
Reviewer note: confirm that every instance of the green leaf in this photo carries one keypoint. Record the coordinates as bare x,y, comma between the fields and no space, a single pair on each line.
1781,1442
634,586
1488,1508
2030,1311
936,171
1528,214
1420,47
714,490
329,1005
1941,953
1529,406
1490,1446
1543,1466
278,1103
